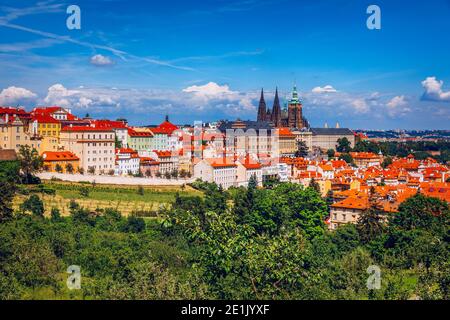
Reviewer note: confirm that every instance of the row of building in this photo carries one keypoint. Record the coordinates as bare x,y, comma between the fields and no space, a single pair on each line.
228,153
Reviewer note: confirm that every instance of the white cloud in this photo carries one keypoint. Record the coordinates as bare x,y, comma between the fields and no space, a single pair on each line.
360,105
101,61
213,95
209,90
433,90
82,98
326,89
14,95
397,106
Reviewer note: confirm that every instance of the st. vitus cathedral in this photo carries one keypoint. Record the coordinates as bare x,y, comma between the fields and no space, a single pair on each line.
291,117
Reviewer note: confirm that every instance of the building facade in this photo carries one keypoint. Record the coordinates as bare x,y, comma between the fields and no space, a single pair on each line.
60,161
94,146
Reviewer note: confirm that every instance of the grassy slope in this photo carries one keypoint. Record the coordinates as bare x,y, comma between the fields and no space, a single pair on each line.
124,198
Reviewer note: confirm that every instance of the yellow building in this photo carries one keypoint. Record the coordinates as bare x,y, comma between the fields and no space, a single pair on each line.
13,134
287,142
62,159
45,126
49,144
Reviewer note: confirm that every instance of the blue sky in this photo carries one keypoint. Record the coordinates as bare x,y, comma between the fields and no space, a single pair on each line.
207,60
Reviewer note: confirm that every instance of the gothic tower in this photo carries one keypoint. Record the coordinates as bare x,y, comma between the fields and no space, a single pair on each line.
295,114
262,109
276,111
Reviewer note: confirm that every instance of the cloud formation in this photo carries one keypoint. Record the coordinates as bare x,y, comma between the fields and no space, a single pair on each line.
101,61
209,90
14,96
397,106
213,94
433,90
79,99
326,89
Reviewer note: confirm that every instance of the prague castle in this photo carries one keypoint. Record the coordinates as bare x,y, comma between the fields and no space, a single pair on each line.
290,117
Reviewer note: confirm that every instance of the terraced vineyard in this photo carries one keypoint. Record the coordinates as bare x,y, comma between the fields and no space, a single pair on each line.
126,199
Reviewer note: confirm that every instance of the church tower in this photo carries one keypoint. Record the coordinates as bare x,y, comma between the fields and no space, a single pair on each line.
262,109
276,111
295,114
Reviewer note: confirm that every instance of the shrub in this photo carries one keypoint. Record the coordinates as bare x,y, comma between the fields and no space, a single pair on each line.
84,191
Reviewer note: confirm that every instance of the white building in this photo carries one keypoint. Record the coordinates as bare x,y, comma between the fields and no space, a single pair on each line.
127,161
94,146
245,170
168,161
221,171
326,170
119,127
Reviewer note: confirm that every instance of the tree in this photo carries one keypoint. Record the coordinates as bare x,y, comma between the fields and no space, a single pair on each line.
314,185
58,168
30,161
117,142
253,182
183,173
346,157
366,146
302,149
370,222
7,192
84,191
80,170
421,212
91,170
167,175
343,145
134,224
369,225
386,162
158,174
270,183
148,173
55,215
33,204
69,168
331,153
215,198
174,173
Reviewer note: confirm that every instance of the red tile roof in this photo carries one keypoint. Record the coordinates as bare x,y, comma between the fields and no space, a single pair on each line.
109,124
59,156
285,132
439,190
134,133
164,128
85,129
44,118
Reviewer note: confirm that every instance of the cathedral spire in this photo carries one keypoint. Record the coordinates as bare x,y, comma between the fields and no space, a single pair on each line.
262,109
294,95
276,113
